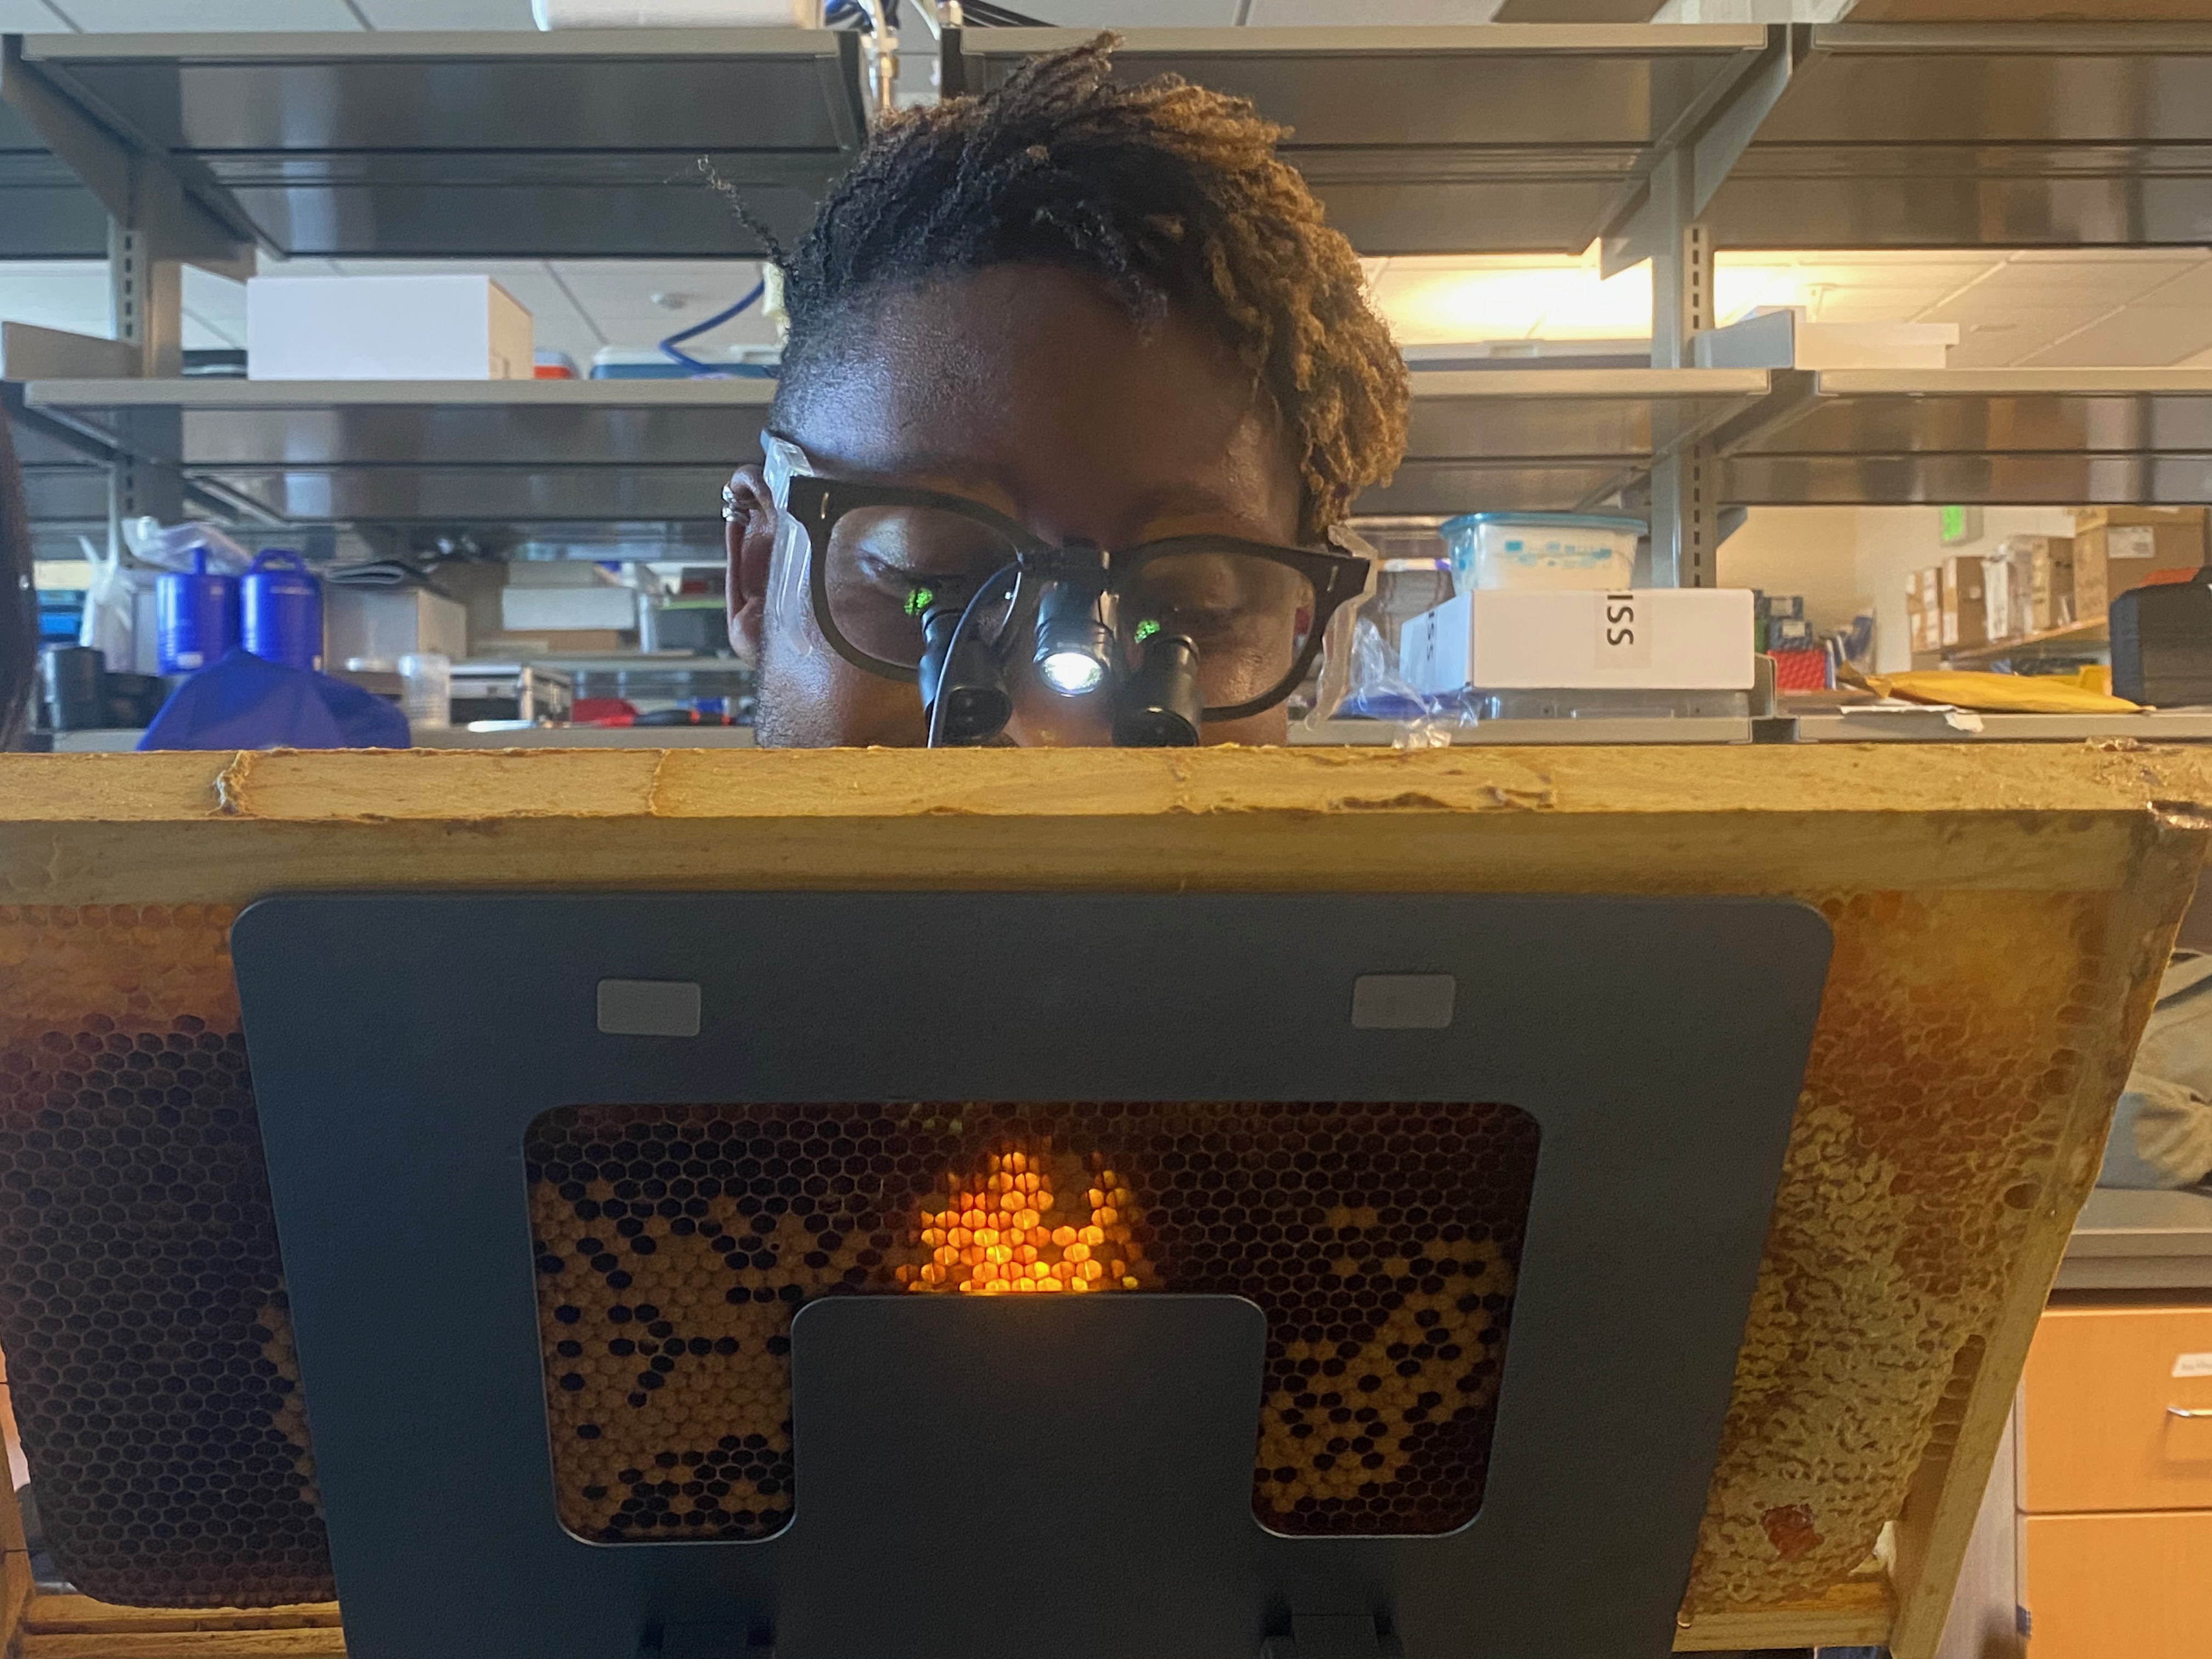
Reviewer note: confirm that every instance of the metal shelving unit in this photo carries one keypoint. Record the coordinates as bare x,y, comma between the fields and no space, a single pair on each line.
1666,140
506,452
527,451
1990,136
46,213
483,146
1531,139
1510,137
2020,435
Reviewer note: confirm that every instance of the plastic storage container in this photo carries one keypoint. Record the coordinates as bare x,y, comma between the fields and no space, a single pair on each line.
196,615
1542,549
426,688
283,607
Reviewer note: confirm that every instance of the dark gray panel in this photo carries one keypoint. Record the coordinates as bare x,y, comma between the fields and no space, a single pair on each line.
1664,1098
1130,1467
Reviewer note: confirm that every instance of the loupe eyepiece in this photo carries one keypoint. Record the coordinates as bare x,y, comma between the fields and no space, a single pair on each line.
969,682
1159,705
1075,634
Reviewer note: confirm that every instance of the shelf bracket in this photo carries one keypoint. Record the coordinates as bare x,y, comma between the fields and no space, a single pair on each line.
1706,146
1684,478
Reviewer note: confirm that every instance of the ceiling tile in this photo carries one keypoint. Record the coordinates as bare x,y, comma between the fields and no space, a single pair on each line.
618,297
166,16
2140,336
64,294
447,13
1994,340
2193,286
2081,279
29,17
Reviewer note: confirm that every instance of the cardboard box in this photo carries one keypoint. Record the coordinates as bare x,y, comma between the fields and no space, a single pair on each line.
2119,548
1924,609
2042,574
1673,639
385,328
1965,602
531,610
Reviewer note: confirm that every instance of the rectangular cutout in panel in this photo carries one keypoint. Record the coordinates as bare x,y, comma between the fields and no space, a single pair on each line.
648,1007
674,1243
1403,1002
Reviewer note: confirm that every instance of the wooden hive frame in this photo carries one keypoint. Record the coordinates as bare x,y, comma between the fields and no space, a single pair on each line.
2003,914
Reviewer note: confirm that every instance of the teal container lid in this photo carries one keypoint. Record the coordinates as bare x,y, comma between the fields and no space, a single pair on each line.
1564,520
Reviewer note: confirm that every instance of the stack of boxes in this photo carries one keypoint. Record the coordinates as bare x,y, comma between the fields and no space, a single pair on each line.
2035,584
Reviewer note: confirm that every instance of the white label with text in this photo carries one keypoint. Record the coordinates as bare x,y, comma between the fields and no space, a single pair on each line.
2131,541
1624,632
2192,1365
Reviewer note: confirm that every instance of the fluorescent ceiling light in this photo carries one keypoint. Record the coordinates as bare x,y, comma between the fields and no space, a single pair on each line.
1437,302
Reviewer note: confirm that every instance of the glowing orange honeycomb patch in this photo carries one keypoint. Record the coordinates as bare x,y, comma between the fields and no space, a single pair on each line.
1008,1230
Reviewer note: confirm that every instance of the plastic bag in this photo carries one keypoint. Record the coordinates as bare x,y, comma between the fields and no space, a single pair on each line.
1359,671
109,625
172,546
244,701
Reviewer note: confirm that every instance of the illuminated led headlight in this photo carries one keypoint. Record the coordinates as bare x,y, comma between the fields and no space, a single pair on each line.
1074,635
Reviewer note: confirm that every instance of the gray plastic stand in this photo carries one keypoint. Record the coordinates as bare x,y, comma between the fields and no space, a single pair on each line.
1659,1043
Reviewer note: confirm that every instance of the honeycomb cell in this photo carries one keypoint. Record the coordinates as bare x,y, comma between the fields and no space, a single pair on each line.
674,1244
143,1315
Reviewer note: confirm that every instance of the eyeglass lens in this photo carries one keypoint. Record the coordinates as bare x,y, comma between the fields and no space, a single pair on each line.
1248,616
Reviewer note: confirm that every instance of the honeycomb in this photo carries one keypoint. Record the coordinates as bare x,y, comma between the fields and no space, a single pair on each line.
144,1318
1968,1040
674,1244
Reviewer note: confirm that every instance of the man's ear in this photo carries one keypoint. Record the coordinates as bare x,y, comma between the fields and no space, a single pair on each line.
750,515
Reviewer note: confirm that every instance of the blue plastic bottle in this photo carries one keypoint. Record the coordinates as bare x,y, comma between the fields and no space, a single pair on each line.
284,611
196,615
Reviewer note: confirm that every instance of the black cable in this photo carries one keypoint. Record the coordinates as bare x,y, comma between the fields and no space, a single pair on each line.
953,647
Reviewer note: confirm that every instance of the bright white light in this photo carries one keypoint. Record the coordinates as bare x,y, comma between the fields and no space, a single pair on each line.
1072,673
1432,299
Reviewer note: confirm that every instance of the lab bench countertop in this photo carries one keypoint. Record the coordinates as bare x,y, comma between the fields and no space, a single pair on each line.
2126,1239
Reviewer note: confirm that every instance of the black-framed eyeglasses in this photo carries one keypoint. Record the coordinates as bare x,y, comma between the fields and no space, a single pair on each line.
886,563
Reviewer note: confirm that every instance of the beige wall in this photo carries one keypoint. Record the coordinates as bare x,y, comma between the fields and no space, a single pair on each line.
1811,550
1842,558
1895,541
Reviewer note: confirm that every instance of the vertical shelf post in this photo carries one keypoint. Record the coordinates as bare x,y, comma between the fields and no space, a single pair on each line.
1684,510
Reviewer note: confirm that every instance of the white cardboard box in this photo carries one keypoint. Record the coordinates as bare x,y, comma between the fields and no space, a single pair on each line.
385,328
524,609
1661,639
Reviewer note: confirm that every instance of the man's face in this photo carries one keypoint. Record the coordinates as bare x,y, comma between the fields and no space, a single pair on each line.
1029,390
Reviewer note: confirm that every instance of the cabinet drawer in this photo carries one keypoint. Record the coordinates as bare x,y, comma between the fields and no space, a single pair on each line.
2118,1586
2101,1416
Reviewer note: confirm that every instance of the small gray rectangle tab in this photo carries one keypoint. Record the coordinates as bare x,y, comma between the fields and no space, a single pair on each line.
649,1007
1403,1002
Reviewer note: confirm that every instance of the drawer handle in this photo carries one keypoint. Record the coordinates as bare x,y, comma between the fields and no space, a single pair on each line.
2189,1411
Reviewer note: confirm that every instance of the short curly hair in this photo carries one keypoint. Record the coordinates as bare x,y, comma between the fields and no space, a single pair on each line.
1173,195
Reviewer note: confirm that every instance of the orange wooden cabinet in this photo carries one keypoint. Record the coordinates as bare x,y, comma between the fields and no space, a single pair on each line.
2119,1586
2106,1389
2116,1483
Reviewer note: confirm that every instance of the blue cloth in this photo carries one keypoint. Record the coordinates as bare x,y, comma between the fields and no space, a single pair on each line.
246,701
